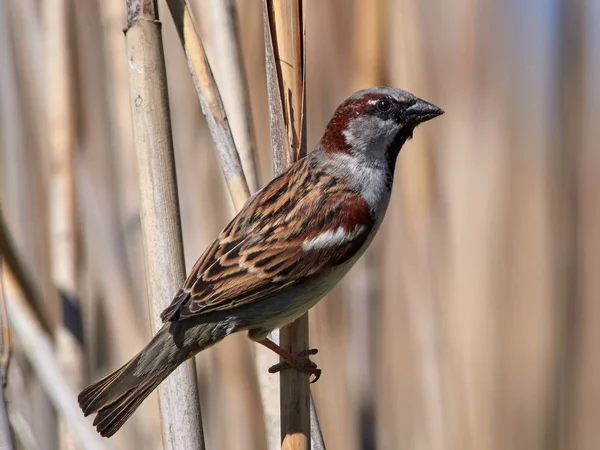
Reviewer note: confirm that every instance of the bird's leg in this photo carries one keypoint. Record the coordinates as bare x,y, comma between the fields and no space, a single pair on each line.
299,361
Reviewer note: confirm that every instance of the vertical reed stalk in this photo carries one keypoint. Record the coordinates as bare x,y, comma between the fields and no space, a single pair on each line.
417,182
69,332
161,227
39,350
284,41
6,441
223,42
362,287
17,268
210,100
213,109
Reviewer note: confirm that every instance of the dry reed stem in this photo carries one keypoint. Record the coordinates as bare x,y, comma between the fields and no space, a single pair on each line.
361,289
211,103
62,200
220,19
21,175
564,193
159,209
317,441
270,386
270,390
39,350
218,23
14,264
418,186
6,442
123,157
5,336
213,109
368,43
284,46
108,266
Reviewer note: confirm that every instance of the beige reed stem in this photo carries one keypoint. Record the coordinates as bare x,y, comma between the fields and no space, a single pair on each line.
161,227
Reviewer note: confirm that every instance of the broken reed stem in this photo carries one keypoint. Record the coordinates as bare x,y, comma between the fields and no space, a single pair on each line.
284,48
210,100
159,209
285,77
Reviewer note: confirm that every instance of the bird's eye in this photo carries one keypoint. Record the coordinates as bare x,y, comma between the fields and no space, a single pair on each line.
384,105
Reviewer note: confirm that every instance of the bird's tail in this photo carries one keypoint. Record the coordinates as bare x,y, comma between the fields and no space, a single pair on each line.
115,397
118,395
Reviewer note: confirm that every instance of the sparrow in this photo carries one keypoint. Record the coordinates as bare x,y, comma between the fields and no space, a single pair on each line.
288,246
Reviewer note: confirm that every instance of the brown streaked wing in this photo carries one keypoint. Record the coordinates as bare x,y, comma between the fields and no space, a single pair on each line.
260,252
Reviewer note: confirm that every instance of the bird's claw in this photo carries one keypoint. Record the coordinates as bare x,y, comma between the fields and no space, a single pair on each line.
301,363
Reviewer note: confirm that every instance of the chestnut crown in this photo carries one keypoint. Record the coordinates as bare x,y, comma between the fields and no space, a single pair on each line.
376,120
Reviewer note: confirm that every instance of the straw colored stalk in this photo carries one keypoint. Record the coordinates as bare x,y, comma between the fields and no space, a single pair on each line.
6,442
417,185
214,112
14,263
361,290
99,195
284,52
107,264
284,42
24,183
62,200
585,407
122,158
161,227
38,349
210,100
219,21
20,177
564,170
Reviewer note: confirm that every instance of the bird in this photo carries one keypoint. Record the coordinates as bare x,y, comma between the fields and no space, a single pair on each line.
288,246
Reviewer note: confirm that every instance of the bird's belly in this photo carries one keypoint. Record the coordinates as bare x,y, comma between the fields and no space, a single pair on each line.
291,303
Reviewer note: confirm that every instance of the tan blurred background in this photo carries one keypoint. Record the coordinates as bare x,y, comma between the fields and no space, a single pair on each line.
471,324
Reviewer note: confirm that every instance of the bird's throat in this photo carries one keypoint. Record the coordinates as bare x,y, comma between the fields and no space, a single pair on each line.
395,146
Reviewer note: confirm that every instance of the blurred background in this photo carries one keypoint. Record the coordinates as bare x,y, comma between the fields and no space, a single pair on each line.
473,321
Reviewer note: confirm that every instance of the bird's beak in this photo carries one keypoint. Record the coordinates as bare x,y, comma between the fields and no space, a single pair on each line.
423,111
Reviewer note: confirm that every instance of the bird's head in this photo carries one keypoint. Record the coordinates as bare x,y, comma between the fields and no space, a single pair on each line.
374,123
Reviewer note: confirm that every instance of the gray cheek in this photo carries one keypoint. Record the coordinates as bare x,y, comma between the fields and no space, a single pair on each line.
371,134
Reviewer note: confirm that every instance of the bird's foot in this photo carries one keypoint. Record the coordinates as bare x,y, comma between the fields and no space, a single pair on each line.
300,362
